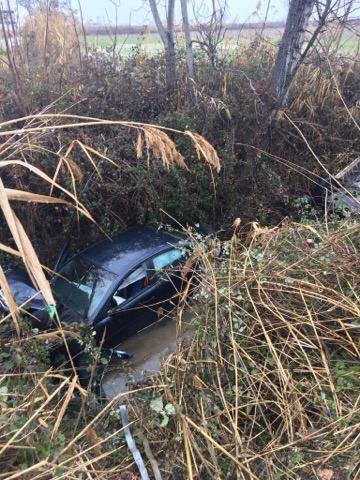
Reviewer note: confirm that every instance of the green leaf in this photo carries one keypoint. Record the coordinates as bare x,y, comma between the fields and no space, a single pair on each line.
18,359
157,404
164,421
3,394
169,409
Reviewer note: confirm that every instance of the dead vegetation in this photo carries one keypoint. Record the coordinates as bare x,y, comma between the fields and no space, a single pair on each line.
50,39
269,387
47,396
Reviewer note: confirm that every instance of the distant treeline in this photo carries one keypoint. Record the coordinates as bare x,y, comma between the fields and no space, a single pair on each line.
146,29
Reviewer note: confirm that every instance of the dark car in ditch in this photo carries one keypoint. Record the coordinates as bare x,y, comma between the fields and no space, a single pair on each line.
117,286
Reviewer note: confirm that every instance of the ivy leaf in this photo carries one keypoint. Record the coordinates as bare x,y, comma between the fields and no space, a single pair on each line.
157,405
164,421
169,409
3,394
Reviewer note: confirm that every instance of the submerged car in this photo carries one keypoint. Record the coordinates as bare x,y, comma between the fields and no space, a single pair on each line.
117,286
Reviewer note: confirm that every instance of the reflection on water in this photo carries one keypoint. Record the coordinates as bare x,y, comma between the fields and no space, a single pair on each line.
150,348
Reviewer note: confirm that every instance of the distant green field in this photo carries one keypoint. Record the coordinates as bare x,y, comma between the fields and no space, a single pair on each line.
151,43
125,43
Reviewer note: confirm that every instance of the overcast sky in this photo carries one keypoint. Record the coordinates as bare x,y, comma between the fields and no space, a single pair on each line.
137,12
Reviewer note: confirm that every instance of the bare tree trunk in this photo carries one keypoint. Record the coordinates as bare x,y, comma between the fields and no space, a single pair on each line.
188,43
167,37
12,64
83,27
289,56
171,53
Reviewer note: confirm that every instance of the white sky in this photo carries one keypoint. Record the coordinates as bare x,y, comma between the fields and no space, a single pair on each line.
137,12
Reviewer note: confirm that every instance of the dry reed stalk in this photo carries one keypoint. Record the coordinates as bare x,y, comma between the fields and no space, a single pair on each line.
89,447
46,178
157,143
10,301
25,248
155,136
286,331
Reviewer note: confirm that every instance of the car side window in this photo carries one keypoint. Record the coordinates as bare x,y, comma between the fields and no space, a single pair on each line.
132,285
166,260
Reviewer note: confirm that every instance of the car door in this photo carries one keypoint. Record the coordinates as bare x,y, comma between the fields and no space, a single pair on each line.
129,309
142,295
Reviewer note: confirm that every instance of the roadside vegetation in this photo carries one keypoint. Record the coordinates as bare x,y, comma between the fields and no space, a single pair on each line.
268,388
92,140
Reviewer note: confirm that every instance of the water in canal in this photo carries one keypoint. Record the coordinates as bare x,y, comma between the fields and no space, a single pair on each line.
150,348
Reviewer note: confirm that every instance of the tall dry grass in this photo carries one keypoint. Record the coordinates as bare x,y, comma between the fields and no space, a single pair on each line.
50,39
270,385
268,388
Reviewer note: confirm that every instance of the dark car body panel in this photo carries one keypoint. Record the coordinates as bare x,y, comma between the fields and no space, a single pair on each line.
141,310
123,253
126,250
23,290
120,255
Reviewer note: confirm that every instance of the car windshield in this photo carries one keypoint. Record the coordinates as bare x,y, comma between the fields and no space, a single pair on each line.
81,285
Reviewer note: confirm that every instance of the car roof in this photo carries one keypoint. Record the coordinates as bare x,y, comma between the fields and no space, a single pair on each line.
127,249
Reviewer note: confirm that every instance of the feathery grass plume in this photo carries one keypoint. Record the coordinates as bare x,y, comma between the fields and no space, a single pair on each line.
49,36
159,144
89,447
236,225
73,168
154,138
205,149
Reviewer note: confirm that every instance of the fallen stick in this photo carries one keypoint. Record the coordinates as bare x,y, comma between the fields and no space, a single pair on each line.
131,444
150,456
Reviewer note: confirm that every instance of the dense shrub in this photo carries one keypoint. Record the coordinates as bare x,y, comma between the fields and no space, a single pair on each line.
225,106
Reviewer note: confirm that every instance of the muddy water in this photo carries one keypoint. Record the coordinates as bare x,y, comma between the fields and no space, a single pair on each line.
150,348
